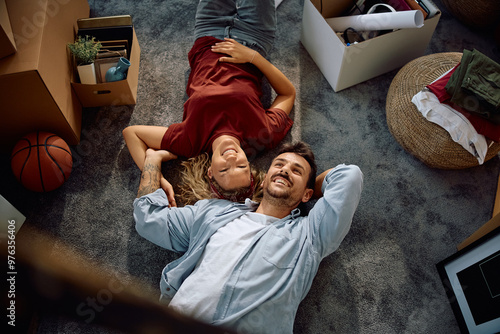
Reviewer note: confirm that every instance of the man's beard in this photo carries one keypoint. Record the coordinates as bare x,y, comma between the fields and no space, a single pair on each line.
279,197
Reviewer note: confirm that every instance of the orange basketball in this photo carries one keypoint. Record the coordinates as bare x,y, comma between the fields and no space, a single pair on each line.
41,161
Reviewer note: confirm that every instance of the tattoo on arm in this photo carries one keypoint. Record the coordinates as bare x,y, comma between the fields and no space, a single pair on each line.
150,179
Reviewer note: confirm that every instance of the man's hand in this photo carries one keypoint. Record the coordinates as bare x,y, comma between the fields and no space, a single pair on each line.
151,177
237,52
319,183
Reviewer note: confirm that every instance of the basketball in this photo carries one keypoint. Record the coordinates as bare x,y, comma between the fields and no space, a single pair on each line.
41,161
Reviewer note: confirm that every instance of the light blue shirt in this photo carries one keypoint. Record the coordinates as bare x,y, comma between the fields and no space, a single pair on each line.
275,273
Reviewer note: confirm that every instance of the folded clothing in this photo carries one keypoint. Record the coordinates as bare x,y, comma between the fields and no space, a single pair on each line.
457,125
475,85
482,125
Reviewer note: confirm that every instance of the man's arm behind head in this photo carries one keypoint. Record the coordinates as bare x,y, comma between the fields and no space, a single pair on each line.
318,192
332,214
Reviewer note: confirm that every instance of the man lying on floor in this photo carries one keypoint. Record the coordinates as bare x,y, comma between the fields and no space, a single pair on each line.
246,267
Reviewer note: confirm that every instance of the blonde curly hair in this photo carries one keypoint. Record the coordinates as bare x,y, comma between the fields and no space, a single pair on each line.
195,183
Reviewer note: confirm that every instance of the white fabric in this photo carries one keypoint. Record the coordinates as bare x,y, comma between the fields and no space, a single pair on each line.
442,75
199,294
458,126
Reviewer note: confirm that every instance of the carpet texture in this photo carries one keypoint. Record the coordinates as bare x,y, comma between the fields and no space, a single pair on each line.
382,279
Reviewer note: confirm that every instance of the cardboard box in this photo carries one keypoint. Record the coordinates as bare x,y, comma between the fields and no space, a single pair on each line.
121,92
35,87
344,66
7,42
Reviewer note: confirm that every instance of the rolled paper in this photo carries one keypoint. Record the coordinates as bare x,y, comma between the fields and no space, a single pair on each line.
378,21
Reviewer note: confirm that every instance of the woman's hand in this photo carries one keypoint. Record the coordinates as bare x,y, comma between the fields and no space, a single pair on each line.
169,190
237,52
162,155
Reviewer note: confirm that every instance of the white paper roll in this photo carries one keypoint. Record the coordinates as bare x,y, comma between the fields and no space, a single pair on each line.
378,21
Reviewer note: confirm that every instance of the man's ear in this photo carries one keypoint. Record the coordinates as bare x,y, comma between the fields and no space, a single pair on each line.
307,195
263,179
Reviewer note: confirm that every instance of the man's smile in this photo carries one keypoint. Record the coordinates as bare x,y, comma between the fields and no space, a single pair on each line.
282,179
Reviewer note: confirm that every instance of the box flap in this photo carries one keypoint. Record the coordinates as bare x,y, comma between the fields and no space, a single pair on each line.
27,20
7,42
333,8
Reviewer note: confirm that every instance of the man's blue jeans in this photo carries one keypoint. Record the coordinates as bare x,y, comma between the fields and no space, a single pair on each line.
250,22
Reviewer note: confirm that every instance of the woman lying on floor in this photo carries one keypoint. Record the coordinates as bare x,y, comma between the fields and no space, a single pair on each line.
223,115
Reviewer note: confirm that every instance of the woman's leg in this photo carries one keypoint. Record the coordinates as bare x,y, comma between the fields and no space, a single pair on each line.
141,137
250,22
255,23
213,17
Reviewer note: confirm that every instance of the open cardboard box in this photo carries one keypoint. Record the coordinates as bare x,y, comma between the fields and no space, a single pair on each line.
35,88
345,66
121,92
7,42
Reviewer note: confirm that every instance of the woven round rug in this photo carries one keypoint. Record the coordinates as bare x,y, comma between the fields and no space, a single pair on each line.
425,140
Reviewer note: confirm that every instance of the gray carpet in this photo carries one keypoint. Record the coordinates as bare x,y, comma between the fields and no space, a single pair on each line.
382,279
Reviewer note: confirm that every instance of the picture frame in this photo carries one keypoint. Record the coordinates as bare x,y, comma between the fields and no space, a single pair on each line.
119,44
472,282
102,65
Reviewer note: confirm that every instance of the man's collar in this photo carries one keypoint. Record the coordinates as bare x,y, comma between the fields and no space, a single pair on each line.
254,205
251,204
295,213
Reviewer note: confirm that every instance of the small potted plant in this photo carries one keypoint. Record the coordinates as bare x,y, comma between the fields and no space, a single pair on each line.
85,50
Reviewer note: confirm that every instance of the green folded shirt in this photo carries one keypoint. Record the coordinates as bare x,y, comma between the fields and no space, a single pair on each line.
475,85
